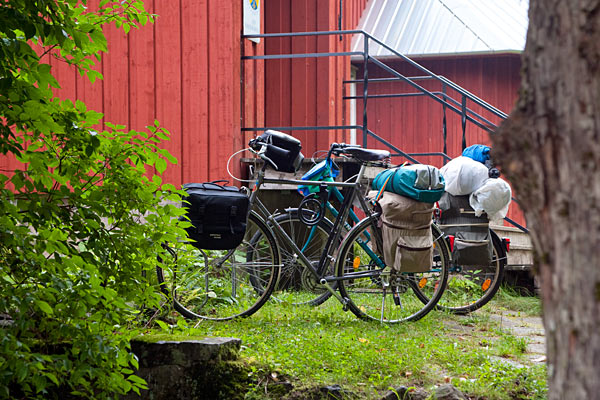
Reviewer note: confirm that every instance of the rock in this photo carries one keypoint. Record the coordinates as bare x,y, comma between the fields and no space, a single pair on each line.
320,393
418,394
448,392
404,393
397,393
336,392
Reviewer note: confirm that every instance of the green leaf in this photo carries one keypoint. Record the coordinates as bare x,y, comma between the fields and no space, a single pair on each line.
52,377
45,307
162,325
161,165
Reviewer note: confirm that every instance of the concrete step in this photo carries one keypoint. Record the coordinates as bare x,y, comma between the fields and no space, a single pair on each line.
190,369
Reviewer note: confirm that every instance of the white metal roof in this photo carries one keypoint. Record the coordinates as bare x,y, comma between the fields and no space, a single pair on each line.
444,27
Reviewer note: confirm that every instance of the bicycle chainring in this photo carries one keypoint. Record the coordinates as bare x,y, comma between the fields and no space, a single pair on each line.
309,281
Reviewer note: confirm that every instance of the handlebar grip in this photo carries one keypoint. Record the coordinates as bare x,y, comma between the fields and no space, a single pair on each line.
256,143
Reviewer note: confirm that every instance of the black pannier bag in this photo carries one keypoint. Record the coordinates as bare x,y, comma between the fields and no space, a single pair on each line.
282,149
472,239
218,215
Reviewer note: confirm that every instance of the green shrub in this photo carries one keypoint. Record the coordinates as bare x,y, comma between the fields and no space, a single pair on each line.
82,219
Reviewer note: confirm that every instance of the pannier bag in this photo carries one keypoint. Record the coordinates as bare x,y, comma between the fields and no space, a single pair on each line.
281,149
406,232
463,175
472,239
420,182
218,215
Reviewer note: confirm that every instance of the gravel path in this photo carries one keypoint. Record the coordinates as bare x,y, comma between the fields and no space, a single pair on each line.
527,327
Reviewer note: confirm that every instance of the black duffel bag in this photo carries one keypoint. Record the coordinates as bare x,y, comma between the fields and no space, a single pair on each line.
281,150
218,215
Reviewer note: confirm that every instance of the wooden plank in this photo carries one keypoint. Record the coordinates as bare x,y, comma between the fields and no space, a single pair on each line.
116,76
223,86
285,87
253,95
237,143
168,79
195,157
300,80
272,67
66,77
92,94
325,74
141,96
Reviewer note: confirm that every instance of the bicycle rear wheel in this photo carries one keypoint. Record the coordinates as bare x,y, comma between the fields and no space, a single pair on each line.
222,284
296,284
471,287
374,292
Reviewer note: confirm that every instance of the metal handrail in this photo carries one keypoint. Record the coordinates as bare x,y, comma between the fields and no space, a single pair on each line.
442,79
465,112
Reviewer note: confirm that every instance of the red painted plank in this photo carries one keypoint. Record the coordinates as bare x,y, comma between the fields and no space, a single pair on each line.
285,87
116,76
237,90
195,157
168,79
92,94
300,80
224,87
66,77
141,96
325,78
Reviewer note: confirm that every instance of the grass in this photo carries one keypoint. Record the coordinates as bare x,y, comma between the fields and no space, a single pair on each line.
325,346
510,300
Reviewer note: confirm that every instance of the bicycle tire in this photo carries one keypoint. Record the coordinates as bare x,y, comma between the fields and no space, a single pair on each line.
470,288
296,285
217,287
367,298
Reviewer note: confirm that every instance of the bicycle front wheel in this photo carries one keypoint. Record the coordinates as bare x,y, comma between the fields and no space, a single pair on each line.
471,287
374,292
222,284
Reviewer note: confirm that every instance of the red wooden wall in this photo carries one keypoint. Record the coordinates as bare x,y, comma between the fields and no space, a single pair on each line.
183,71
308,91
414,124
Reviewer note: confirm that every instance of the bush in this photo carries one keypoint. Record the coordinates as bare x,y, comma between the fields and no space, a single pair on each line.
82,220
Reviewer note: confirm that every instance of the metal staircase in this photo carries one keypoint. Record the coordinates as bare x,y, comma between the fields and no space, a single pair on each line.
451,97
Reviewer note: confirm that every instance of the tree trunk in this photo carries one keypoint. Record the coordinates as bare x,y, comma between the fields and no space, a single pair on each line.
549,149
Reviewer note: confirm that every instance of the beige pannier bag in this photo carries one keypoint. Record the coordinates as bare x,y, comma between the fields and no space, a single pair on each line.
406,231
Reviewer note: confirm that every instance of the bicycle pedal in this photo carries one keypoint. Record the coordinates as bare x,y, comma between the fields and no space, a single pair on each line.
396,297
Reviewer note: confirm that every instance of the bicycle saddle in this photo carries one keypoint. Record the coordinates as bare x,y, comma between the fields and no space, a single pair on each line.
367,154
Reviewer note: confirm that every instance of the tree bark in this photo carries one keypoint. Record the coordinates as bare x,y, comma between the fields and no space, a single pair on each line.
549,149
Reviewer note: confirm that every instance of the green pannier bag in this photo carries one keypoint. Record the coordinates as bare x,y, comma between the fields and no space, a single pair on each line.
419,182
